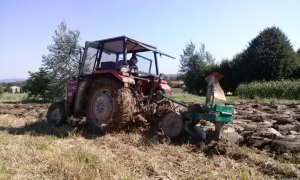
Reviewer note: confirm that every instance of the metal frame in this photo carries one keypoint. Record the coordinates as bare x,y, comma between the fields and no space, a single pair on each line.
156,65
150,60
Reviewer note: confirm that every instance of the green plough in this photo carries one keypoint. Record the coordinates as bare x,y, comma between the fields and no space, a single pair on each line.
175,123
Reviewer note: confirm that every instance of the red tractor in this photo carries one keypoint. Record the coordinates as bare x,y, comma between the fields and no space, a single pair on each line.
109,90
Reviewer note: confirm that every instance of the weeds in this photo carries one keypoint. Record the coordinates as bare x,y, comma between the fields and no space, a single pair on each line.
244,175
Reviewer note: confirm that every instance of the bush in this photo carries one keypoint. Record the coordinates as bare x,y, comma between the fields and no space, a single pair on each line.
272,89
1,90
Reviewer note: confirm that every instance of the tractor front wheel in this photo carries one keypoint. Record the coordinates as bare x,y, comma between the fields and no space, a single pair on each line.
172,124
56,114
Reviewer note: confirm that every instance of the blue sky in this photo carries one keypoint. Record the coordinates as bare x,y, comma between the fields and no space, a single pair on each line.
225,27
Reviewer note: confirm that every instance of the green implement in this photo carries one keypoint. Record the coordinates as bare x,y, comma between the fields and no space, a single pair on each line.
175,123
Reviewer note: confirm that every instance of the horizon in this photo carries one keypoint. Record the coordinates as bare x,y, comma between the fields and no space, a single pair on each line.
225,28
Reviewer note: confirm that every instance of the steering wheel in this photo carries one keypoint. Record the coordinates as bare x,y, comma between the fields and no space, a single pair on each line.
161,76
133,70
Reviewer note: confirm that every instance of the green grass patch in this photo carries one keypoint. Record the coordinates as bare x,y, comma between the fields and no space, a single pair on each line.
190,98
84,157
8,97
4,168
4,140
244,175
38,145
187,98
20,97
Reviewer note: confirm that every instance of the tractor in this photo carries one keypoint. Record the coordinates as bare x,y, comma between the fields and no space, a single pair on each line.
108,91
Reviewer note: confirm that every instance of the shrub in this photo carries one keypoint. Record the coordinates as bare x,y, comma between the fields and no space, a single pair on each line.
272,89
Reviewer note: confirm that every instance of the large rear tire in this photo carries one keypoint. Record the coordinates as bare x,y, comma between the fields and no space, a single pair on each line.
111,105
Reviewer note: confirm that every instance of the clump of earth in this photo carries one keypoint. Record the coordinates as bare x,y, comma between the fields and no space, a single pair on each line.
275,128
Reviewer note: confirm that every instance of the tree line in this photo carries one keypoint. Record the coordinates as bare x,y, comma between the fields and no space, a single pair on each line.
269,56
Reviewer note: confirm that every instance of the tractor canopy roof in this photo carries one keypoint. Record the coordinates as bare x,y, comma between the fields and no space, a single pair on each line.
131,46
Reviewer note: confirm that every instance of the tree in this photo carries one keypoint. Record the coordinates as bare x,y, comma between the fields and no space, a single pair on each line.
233,72
296,70
37,85
63,59
270,56
226,69
194,67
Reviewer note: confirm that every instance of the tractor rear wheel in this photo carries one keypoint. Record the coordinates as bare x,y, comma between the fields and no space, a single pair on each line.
56,114
111,105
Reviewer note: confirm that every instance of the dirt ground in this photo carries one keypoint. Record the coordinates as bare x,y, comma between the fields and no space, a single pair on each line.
262,142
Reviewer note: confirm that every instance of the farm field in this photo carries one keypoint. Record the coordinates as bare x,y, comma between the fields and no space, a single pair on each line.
262,143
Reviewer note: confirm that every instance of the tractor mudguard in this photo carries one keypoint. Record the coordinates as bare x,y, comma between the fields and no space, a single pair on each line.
165,87
122,78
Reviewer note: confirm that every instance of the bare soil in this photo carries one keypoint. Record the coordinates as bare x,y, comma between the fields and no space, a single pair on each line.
263,142
275,128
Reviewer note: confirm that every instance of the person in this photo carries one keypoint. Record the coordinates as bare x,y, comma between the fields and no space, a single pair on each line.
132,64
133,61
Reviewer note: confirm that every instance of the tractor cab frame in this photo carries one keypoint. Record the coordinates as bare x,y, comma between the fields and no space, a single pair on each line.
112,54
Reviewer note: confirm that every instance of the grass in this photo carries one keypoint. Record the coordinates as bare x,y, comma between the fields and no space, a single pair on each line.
20,97
8,97
190,98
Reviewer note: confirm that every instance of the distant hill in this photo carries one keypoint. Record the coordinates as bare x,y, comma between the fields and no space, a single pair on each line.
12,80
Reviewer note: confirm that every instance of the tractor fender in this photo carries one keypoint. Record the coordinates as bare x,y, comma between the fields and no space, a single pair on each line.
125,79
165,87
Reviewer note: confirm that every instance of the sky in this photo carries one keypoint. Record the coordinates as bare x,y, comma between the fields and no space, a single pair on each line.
225,27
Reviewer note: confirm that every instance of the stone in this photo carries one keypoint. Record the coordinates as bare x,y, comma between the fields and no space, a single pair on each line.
291,136
232,136
268,133
229,129
269,123
274,131
294,133
249,126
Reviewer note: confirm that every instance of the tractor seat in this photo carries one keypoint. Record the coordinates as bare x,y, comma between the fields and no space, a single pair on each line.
107,66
